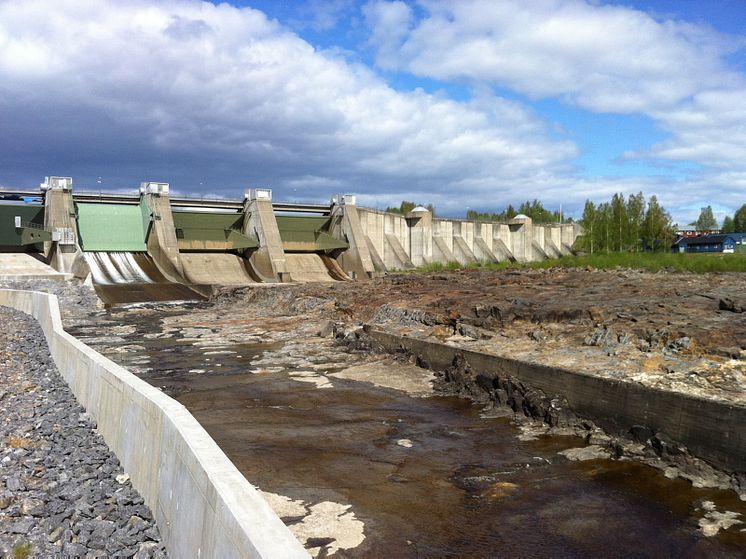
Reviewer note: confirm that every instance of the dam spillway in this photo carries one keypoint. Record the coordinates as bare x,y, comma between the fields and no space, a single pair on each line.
202,244
133,277
116,268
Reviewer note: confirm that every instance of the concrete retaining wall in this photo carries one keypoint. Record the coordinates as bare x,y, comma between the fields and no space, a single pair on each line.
712,430
417,238
203,505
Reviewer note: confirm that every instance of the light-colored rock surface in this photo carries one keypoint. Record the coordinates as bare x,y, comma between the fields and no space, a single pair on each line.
411,379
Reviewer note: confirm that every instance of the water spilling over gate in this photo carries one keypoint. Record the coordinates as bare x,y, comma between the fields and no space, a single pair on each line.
131,277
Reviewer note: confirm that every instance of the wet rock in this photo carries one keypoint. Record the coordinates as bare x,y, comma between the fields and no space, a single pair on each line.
591,452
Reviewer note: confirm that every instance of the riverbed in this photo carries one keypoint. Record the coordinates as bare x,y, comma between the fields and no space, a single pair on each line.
361,458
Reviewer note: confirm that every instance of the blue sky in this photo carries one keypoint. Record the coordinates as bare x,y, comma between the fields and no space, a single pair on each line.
476,103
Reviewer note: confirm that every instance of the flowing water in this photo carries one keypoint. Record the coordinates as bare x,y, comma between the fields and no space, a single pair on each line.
130,277
427,477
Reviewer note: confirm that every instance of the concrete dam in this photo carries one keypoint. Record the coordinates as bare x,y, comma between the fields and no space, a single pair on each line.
165,248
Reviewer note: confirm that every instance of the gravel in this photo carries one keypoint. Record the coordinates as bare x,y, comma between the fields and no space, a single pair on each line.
62,491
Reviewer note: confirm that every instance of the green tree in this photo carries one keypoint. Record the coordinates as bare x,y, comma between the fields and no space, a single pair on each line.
706,220
505,215
588,222
620,229
537,212
405,207
728,225
510,212
657,230
635,216
739,220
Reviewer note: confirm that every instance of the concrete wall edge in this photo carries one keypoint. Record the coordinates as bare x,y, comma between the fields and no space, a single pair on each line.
217,513
711,429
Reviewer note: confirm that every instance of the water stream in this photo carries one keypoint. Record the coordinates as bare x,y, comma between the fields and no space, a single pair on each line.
427,477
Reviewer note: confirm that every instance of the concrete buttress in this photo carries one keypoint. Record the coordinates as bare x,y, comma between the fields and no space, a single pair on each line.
162,243
259,219
356,261
63,254
420,223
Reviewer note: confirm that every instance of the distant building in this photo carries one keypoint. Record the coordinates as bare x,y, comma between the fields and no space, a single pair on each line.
723,242
692,231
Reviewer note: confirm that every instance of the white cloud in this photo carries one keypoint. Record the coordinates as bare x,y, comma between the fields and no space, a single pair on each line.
215,91
602,58
215,98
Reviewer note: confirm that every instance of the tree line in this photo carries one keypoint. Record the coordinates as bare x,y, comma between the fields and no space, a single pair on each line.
731,224
633,224
735,223
406,206
535,210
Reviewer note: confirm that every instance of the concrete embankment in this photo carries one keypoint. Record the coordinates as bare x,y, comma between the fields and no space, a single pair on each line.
62,491
202,504
710,429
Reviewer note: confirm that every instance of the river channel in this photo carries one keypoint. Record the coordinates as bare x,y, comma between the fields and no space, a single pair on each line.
411,474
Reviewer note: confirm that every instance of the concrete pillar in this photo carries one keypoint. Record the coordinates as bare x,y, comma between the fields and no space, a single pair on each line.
163,246
259,219
396,239
356,261
443,241
501,242
63,252
552,240
420,223
521,237
461,249
483,242
371,223
570,232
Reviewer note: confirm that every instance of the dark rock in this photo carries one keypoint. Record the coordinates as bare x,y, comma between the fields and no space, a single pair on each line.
728,304
641,434
22,526
318,542
601,337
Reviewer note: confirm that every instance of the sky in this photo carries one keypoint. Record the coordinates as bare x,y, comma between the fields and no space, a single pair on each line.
470,104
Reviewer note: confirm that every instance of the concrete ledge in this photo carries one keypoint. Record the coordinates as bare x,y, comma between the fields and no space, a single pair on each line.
712,430
203,505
